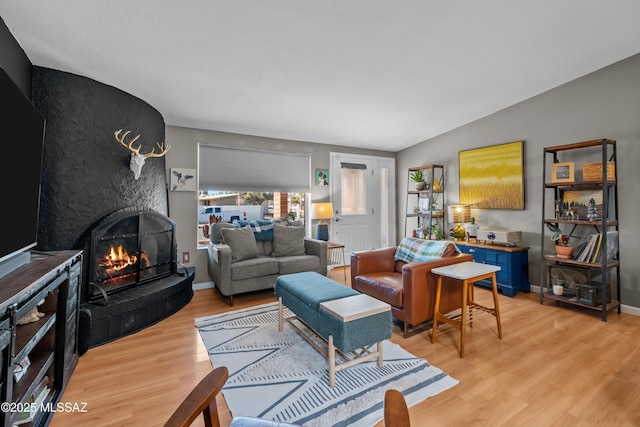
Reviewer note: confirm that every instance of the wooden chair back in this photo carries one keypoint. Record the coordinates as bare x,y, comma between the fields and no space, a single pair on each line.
396,412
201,400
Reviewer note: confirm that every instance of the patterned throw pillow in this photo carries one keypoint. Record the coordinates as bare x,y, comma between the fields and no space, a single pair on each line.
262,228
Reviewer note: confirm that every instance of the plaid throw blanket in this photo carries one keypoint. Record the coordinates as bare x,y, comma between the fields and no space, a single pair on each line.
262,228
417,250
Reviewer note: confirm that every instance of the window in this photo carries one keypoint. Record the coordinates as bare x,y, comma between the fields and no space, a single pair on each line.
354,189
251,183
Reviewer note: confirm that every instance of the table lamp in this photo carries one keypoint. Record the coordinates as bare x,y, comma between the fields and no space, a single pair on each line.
461,214
322,211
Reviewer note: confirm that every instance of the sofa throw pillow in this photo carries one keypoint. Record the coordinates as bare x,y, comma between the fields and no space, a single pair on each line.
412,249
287,241
242,243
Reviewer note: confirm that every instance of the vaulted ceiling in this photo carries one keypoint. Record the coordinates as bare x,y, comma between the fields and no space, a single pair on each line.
361,73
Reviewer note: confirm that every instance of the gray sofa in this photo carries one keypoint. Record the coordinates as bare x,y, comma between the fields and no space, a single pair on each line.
250,258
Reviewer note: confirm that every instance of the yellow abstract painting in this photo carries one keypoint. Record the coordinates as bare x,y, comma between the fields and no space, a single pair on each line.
493,177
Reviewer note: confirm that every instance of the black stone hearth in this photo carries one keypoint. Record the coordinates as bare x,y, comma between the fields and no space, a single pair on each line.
133,309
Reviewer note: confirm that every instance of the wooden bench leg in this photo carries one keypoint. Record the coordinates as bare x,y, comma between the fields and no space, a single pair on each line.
380,356
280,315
332,362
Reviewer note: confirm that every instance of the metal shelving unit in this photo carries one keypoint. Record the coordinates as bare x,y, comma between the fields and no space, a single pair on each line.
606,186
425,200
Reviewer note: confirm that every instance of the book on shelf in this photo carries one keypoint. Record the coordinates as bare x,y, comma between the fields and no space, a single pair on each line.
587,252
578,252
30,411
593,250
596,251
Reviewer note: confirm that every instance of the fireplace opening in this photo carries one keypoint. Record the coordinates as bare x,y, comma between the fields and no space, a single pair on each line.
129,248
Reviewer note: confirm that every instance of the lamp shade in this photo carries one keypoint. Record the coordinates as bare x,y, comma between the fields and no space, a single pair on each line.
461,213
322,210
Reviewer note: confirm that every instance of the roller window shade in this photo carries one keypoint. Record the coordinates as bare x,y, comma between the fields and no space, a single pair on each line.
232,169
344,165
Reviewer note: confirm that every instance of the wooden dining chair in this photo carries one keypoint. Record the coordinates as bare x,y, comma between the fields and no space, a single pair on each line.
396,412
201,400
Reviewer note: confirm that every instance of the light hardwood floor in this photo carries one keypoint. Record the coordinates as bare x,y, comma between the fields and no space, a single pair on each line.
555,366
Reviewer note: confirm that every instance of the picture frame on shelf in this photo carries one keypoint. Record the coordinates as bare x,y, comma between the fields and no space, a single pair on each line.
577,201
563,172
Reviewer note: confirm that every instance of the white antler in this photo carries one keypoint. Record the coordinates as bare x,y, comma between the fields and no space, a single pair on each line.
137,159
130,144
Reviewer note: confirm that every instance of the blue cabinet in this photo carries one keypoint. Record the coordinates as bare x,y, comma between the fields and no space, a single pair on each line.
513,261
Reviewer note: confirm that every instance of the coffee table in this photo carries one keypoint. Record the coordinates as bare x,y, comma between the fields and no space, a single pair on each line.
468,273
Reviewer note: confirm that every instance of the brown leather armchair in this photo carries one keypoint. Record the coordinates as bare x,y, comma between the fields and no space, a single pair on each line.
409,288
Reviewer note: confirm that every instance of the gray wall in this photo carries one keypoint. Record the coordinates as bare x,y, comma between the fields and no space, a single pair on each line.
604,104
184,154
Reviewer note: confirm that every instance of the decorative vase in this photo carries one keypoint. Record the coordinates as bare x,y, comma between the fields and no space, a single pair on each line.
472,230
564,251
558,290
420,186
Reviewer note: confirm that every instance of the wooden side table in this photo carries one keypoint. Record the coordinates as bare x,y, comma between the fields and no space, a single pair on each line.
335,256
468,273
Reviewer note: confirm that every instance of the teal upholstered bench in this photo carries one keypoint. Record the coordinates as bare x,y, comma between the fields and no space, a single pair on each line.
350,322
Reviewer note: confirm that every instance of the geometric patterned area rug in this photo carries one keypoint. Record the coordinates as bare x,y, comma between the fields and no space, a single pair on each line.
279,376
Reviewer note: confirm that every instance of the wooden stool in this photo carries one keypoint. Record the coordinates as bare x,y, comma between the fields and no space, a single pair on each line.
468,273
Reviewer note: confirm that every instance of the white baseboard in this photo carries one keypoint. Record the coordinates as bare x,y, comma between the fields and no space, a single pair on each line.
623,308
203,285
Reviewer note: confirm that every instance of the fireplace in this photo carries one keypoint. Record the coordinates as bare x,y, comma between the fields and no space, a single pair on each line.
129,248
133,278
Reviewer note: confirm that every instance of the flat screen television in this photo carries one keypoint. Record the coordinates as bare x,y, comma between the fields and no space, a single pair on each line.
22,134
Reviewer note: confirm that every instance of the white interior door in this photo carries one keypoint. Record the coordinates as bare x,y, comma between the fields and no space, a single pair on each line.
363,195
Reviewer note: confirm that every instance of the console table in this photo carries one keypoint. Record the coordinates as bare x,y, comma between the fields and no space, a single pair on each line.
513,261
38,354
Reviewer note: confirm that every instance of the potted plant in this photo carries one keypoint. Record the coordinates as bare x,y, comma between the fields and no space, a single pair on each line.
418,178
436,231
563,250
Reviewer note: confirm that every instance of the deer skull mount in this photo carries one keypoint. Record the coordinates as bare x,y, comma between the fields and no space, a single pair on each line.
137,159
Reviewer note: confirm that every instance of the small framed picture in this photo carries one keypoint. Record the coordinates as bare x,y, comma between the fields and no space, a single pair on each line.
562,172
183,179
322,177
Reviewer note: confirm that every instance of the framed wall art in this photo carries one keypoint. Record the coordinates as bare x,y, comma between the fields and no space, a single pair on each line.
322,177
493,177
562,172
183,179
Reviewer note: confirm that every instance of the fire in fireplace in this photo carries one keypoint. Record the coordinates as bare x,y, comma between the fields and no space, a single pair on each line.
130,247
118,259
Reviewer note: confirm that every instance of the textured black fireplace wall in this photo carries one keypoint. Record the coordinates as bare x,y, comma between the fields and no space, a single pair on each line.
86,172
